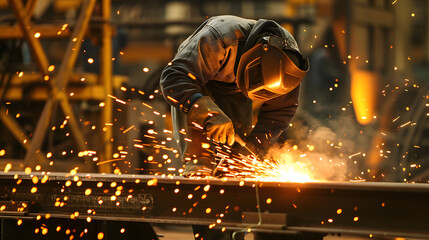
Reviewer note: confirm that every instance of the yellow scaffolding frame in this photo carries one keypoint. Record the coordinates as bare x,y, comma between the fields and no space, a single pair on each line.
57,84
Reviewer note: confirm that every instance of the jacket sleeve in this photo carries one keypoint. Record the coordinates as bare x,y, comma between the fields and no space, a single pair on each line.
273,118
199,58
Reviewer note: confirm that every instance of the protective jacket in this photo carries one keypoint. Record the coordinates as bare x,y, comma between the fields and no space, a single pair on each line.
209,57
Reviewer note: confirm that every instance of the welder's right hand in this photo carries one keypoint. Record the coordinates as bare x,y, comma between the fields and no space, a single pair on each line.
218,126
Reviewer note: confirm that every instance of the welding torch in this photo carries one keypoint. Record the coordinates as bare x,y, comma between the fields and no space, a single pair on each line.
243,144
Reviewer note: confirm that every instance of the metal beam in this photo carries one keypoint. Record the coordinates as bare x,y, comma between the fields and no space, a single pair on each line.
379,17
74,45
66,69
58,85
45,30
89,79
14,128
29,9
195,22
378,210
16,131
39,134
106,73
42,94
29,34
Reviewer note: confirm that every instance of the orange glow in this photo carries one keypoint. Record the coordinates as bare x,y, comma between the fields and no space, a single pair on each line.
287,168
364,89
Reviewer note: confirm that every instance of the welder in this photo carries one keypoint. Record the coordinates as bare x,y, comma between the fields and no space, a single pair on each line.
218,71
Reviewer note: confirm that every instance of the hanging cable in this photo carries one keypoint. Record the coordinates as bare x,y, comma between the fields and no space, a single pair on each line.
258,206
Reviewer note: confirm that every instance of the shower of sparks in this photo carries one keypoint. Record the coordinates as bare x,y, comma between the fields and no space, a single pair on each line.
289,167
162,155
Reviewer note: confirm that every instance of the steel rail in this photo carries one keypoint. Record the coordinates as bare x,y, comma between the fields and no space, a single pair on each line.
379,210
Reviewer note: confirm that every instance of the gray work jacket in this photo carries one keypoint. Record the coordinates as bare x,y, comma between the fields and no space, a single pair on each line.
212,53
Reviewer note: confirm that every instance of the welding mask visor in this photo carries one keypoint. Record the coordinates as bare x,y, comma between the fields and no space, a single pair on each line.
265,71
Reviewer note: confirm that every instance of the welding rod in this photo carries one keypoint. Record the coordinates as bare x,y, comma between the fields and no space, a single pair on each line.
243,144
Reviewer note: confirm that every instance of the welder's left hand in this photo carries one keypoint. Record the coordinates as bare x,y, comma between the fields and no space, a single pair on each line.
212,119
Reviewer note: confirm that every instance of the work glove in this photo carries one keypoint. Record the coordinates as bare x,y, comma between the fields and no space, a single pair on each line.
205,113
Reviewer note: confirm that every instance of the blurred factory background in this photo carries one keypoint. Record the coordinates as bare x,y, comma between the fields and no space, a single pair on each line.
79,82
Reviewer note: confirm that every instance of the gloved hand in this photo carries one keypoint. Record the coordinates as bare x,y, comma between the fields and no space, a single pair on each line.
212,119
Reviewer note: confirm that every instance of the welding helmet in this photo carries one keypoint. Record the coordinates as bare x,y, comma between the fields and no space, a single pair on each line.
267,71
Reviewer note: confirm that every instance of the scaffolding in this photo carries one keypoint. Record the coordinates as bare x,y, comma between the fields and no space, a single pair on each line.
55,89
